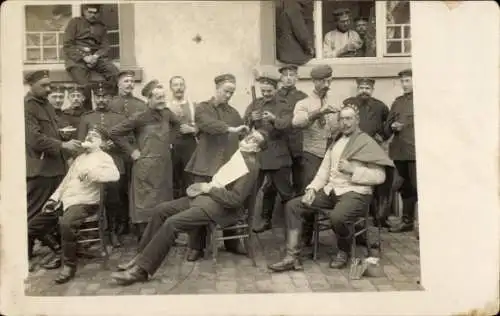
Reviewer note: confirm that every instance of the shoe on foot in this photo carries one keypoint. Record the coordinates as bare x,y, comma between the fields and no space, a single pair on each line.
67,273
339,261
194,255
288,263
133,275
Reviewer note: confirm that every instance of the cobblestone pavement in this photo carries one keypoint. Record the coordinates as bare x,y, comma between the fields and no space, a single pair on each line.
235,274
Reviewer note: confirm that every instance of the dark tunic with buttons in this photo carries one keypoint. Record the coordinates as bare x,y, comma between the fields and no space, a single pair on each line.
72,116
372,114
152,173
276,155
81,34
292,96
103,118
215,144
402,146
127,105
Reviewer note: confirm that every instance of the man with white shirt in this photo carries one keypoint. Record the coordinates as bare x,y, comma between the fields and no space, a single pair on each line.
343,41
316,117
184,139
342,188
77,197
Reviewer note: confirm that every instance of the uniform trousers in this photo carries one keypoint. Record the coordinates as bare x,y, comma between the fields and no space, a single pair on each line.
181,154
80,73
280,182
69,223
170,218
340,209
38,191
407,170
116,204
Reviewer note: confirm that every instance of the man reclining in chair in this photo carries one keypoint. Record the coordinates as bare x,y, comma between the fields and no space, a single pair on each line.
343,188
213,204
76,198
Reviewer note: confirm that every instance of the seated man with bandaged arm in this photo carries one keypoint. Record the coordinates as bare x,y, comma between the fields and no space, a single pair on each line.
76,198
343,188
222,201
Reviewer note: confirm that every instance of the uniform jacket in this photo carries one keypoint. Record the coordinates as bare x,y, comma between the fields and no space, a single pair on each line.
128,105
373,114
72,116
215,144
292,96
225,205
44,154
294,34
276,155
81,35
106,119
402,146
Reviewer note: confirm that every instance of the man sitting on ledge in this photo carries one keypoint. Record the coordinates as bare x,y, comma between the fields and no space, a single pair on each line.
215,203
343,187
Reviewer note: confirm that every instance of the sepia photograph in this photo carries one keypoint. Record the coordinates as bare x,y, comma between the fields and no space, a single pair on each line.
220,147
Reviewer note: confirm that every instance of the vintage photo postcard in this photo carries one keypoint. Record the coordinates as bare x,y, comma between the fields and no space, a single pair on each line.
292,157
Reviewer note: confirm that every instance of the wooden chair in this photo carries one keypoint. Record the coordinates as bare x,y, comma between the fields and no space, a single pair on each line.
245,223
356,228
93,228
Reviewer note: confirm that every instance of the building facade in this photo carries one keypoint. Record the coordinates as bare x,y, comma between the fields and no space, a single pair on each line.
199,40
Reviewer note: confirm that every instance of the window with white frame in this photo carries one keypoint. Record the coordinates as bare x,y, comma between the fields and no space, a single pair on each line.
45,26
309,30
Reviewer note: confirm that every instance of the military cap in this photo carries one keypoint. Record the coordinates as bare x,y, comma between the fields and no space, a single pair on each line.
321,72
91,5
405,73
57,88
341,12
149,87
268,79
76,88
365,80
103,88
288,67
36,76
225,78
123,73
360,18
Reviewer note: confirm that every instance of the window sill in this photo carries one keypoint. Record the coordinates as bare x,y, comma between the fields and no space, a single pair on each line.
58,73
348,68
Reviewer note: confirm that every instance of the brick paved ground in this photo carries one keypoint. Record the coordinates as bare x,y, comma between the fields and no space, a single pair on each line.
235,274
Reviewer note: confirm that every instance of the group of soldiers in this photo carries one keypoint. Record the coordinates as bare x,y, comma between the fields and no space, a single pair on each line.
162,147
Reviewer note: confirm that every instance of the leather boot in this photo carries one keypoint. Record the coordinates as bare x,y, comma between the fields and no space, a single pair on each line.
194,255
291,260
407,224
265,223
67,273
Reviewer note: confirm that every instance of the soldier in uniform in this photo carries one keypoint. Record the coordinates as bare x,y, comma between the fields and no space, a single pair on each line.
372,112
56,98
45,163
74,112
125,103
272,114
104,118
184,140
219,126
86,49
402,148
